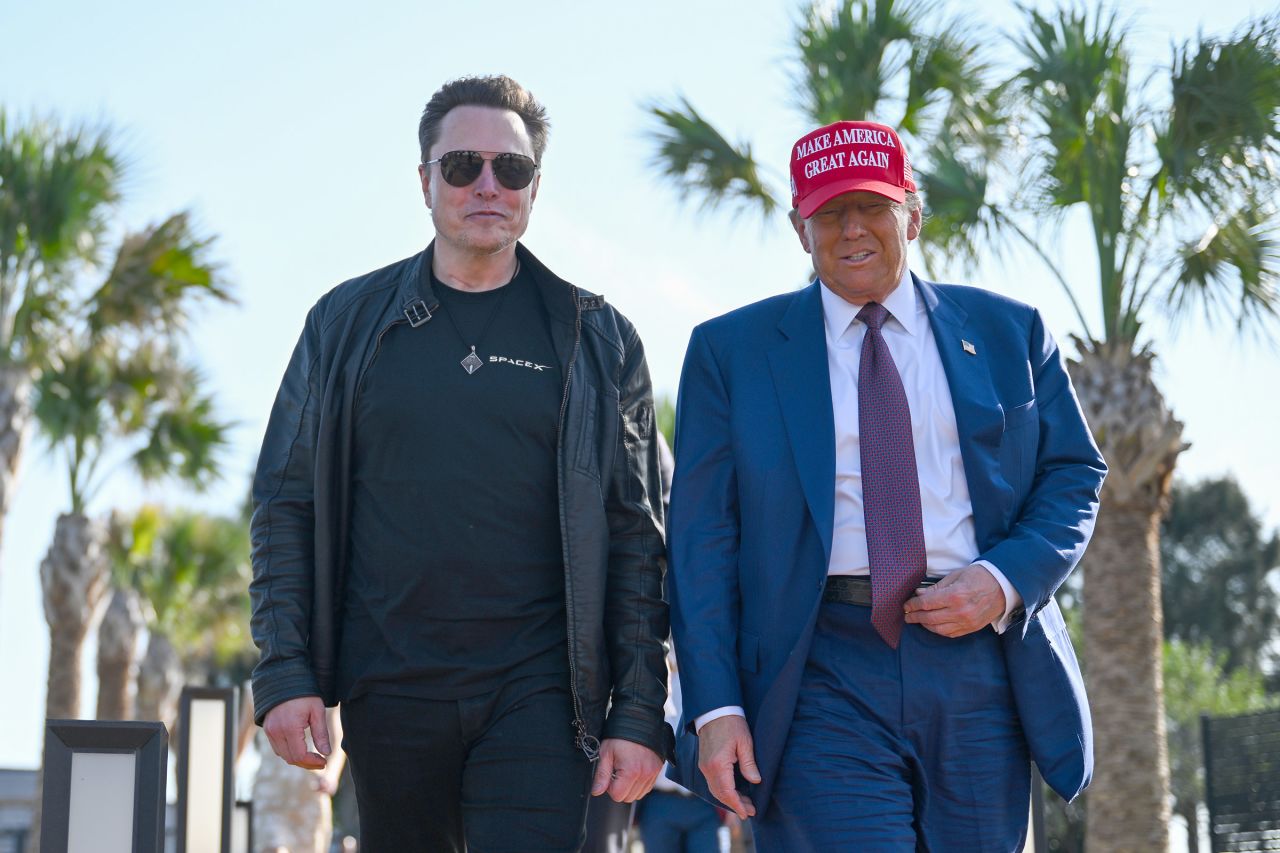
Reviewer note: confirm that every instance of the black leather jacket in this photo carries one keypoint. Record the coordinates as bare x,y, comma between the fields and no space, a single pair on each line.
609,492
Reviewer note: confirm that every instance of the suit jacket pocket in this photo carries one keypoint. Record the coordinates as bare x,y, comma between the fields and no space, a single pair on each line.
1016,416
1018,445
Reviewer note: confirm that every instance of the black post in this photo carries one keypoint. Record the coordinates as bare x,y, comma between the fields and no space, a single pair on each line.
146,742
1206,747
227,696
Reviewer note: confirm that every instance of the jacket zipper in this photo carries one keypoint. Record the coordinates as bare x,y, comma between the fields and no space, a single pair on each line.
589,745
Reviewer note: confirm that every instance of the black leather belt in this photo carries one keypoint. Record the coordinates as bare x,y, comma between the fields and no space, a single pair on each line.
855,589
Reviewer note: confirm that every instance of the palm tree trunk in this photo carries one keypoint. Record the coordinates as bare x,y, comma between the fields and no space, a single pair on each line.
118,636
15,413
1123,627
1129,807
160,678
73,577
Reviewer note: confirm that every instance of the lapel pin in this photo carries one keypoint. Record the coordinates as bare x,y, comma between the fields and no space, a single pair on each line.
969,348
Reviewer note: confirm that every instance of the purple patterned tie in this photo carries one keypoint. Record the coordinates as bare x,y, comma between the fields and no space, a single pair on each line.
890,485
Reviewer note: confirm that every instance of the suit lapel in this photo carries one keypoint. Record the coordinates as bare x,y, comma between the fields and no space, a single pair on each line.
979,416
803,384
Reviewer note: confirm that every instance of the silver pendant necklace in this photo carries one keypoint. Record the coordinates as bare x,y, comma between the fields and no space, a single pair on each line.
472,362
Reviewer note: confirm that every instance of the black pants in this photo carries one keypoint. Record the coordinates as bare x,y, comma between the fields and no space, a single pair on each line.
498,772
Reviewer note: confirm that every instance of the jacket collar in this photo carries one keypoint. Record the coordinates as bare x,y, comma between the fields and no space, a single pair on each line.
557,294
417,301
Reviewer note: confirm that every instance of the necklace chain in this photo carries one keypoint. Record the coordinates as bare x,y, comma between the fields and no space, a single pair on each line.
472,362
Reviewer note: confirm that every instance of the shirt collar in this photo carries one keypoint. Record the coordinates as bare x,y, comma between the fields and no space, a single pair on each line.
901,304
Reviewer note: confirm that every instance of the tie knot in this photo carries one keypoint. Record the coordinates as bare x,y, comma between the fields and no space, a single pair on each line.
873,314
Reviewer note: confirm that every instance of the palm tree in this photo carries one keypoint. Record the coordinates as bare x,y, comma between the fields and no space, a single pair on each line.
192,572
851,61
1180,203
56,188
113,385
115,390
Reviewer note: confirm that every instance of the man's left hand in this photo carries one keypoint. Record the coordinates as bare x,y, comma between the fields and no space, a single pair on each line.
962,602
626,770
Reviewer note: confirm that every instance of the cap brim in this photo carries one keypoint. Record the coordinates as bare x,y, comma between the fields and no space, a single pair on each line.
816,199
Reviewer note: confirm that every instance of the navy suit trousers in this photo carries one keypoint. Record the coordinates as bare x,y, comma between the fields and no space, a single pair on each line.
897,751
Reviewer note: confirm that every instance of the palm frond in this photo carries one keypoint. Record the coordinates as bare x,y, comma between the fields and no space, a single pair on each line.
185,440
1076,81
105,400
41,318
55,183
960,221
1221,132
56,187
699,161
70,415
145,379
951,67
159,276
1233,269
844,68
192,569
68,400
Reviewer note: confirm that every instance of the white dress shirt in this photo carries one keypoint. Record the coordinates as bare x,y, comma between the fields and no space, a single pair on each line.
949,539
671,710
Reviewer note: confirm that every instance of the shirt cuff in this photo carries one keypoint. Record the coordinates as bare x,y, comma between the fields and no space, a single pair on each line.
1012,601
726,711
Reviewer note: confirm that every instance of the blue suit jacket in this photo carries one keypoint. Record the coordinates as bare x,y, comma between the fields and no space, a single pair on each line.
752,511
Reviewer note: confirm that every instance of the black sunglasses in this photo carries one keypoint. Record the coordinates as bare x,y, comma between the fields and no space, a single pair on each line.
461,168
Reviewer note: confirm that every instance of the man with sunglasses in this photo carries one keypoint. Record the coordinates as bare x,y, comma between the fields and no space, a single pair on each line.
457,527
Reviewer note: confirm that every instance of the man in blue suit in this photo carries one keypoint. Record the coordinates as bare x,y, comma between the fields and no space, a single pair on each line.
880,483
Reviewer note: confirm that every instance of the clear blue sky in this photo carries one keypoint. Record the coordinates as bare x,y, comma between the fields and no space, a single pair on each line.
290,129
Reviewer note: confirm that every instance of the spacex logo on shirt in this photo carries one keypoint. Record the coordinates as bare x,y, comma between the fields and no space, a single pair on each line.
518,362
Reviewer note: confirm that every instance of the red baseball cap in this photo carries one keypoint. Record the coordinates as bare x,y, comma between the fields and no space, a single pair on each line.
845,157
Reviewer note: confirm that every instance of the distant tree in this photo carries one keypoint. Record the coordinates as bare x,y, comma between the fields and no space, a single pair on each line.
116,389
1179,200
119,634
191,572
1220,572
666,418
58,186
1198,681
1221,616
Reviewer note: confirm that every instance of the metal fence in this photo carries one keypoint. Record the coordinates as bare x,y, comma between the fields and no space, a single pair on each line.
1242,781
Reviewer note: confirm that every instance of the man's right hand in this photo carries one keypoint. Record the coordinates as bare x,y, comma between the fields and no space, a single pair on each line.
722,743
286,725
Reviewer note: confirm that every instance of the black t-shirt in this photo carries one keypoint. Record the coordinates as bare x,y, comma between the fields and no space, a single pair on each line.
456,579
